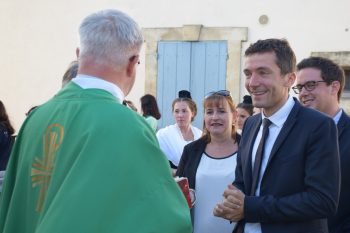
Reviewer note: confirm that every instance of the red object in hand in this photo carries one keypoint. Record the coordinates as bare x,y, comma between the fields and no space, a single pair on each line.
183,184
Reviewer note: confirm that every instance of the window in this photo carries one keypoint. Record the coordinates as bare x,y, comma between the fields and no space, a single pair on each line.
346,92
342,58
347,79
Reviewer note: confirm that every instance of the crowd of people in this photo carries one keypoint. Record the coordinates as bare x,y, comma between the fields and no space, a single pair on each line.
84,162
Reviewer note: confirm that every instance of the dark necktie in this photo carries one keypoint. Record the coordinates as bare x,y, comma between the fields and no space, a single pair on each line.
257,164
259,155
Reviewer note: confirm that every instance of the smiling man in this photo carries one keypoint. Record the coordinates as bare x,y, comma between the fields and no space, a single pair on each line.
320,83
287,175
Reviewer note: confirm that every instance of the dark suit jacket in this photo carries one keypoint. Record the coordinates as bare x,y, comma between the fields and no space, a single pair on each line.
340,223
300,186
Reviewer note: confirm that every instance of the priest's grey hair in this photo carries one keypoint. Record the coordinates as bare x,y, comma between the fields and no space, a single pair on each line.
109,37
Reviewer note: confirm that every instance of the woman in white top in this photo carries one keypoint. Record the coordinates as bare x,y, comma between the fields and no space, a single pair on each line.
173,138
209,163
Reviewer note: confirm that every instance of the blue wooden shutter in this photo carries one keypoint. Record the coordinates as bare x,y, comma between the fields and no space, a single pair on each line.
208,72
173,75
199,67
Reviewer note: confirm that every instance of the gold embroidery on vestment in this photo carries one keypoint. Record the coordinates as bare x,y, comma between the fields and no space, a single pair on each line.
42,168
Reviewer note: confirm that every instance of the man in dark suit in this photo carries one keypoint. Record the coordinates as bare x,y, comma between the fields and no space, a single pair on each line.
287,175
320,83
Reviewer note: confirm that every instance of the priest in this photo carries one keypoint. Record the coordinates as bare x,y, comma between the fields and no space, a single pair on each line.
83,162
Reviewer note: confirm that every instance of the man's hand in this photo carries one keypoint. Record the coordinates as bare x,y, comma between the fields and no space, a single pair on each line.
232,206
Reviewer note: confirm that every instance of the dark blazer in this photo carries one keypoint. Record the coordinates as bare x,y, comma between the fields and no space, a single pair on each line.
300,186
190,158
340,223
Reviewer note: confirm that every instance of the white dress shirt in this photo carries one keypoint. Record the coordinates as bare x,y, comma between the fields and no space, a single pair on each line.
337,116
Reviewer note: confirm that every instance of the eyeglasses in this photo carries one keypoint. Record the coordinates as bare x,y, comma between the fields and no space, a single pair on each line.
222,93
309,86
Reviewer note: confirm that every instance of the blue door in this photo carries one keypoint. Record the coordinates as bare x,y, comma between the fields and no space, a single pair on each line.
199,67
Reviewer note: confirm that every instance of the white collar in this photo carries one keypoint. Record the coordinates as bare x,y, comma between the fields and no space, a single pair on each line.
87,82
279,117
337,116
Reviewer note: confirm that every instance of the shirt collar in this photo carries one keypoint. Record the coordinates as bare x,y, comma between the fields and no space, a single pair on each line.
337,116
279,117
87,82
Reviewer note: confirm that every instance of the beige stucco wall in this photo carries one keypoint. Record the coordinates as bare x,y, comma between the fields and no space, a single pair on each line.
38,38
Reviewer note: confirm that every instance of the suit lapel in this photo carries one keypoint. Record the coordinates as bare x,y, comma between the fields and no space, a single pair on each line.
248,163
342,123
287,126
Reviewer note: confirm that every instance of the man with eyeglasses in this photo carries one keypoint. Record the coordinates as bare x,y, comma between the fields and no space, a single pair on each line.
320,83
287,175
83,162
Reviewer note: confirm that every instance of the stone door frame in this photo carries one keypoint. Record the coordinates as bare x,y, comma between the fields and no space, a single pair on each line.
233,35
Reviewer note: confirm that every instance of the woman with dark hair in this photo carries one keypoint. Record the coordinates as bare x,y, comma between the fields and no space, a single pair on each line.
173,138
150,111
6,140
209,163
244,110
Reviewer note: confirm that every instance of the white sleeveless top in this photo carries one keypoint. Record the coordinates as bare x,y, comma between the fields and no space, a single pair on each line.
212,178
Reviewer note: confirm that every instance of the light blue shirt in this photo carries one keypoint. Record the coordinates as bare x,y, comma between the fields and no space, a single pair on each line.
337,116
86,82
278,119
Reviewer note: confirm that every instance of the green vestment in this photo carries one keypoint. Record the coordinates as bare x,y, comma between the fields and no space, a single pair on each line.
84,163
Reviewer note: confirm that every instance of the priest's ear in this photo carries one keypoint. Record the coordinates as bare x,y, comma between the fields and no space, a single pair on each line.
133,62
